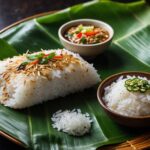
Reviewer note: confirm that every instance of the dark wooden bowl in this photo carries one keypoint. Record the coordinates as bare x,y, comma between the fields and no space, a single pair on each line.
140,121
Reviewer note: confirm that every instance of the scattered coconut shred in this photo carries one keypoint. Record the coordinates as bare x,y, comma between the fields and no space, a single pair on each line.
72,122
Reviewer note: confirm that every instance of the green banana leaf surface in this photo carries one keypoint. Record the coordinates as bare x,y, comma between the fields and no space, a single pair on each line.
130,50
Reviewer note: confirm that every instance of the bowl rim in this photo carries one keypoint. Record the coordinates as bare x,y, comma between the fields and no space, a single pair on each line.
86,20
101,101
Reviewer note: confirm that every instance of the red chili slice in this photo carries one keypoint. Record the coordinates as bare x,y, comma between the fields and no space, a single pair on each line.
58,57
35,62
79,35
89,33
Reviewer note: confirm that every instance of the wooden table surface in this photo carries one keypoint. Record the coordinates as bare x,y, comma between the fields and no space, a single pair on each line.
15,10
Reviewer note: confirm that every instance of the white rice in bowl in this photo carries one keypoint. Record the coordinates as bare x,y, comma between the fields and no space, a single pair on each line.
124,102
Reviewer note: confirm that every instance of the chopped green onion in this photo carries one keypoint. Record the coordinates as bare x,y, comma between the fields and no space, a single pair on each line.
88,28
137,85
80,27
51,55
142,90
43,61
40,56
22,65
76,32
69,35
33,57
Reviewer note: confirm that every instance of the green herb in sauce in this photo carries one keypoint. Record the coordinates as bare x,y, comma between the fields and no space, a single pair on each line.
83,40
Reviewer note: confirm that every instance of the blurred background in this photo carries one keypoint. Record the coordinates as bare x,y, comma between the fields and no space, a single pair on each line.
15,10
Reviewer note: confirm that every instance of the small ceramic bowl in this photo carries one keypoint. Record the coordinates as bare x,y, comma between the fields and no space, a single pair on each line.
140,121
87,50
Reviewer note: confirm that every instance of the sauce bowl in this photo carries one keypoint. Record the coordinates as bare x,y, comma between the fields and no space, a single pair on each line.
86,50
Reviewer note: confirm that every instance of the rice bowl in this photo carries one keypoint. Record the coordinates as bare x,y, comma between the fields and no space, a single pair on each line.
124,102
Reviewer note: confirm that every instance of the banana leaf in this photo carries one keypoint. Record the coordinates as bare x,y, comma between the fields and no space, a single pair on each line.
6,50
130,50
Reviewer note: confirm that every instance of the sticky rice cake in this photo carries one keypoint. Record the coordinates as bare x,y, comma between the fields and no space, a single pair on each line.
41,82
